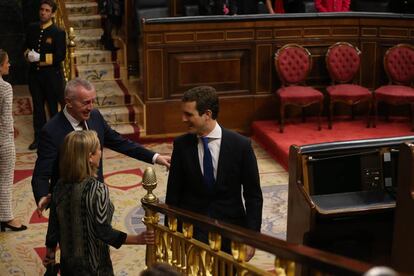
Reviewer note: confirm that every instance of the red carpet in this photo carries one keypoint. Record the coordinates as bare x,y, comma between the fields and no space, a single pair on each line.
277,144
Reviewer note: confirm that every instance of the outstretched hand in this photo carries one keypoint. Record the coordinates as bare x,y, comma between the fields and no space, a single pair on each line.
146,237
163,160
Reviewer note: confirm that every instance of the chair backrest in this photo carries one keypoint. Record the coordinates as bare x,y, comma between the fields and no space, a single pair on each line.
399,64
342,60
293,64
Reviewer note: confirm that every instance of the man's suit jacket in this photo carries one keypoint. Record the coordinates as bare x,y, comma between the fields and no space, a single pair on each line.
46,171
237,168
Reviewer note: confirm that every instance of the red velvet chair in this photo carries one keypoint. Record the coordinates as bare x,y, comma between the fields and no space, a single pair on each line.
342,61
293,64
399,66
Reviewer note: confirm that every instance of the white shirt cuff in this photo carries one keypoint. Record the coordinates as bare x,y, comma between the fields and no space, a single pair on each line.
154,158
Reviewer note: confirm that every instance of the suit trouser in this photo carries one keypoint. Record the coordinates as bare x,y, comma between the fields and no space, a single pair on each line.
46,86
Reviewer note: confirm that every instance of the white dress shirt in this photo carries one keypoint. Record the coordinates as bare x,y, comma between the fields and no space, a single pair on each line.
214,142
75,123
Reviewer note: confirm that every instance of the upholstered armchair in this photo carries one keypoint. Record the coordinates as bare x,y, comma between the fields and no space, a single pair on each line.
343,61
293,64
399,66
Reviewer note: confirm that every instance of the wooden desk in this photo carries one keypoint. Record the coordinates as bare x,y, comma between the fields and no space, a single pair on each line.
235,55
352,202
356,220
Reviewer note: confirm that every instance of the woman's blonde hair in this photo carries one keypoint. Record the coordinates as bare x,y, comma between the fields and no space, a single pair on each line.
74,156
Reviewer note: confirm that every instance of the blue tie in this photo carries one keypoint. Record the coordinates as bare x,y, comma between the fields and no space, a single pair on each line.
207,165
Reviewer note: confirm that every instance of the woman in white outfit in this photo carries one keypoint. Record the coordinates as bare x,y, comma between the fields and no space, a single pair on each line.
7,150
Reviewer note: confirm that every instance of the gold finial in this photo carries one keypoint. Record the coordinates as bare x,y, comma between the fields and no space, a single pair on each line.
149,182
238,250
71,37
214,240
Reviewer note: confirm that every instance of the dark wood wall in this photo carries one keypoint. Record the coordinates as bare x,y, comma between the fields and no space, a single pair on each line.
235,55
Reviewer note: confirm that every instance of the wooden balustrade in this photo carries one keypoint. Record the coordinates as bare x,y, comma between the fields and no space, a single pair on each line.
192,257
61,19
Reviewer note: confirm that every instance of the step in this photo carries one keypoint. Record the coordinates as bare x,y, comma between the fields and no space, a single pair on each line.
83,8
88,21
89,32
120,114
129,130
113,93
88,42
86,56
104,71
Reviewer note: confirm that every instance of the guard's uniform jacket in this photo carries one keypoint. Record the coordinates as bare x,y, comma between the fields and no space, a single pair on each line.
46,82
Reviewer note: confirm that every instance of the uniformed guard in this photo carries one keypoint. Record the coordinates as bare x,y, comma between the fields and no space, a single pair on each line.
46,49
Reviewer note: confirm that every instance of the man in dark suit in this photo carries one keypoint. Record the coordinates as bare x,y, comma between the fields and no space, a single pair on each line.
45,51
213,186
79,114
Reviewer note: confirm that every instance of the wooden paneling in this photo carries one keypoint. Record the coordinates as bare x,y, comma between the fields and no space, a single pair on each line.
154,75
225,69
235,55
264,73
369,54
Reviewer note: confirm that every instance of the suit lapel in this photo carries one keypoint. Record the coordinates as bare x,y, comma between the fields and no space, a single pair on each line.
65,123
193,152
223,157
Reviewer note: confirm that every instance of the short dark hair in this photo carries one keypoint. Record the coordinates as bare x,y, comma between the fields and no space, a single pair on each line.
51,3
206,99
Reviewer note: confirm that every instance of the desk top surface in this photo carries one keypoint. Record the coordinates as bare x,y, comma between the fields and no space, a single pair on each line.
353,202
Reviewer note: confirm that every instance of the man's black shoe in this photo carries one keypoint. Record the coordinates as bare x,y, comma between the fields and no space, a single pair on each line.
33,145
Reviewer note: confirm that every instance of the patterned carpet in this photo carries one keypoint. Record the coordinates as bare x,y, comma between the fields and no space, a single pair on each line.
20,253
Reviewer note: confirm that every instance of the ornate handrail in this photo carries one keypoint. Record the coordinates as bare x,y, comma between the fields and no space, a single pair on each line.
192,257
61,19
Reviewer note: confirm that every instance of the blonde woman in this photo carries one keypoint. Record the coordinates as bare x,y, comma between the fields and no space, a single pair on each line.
81,212
7,150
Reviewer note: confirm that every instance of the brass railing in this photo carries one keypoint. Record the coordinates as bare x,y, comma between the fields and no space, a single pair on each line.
61,19
192,257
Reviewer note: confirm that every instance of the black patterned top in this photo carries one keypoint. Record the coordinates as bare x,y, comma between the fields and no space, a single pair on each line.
80,221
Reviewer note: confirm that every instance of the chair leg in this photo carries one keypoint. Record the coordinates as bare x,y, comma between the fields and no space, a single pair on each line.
281,117
374,123
369,114
330,116
302,111
387,112
352,112
319,115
